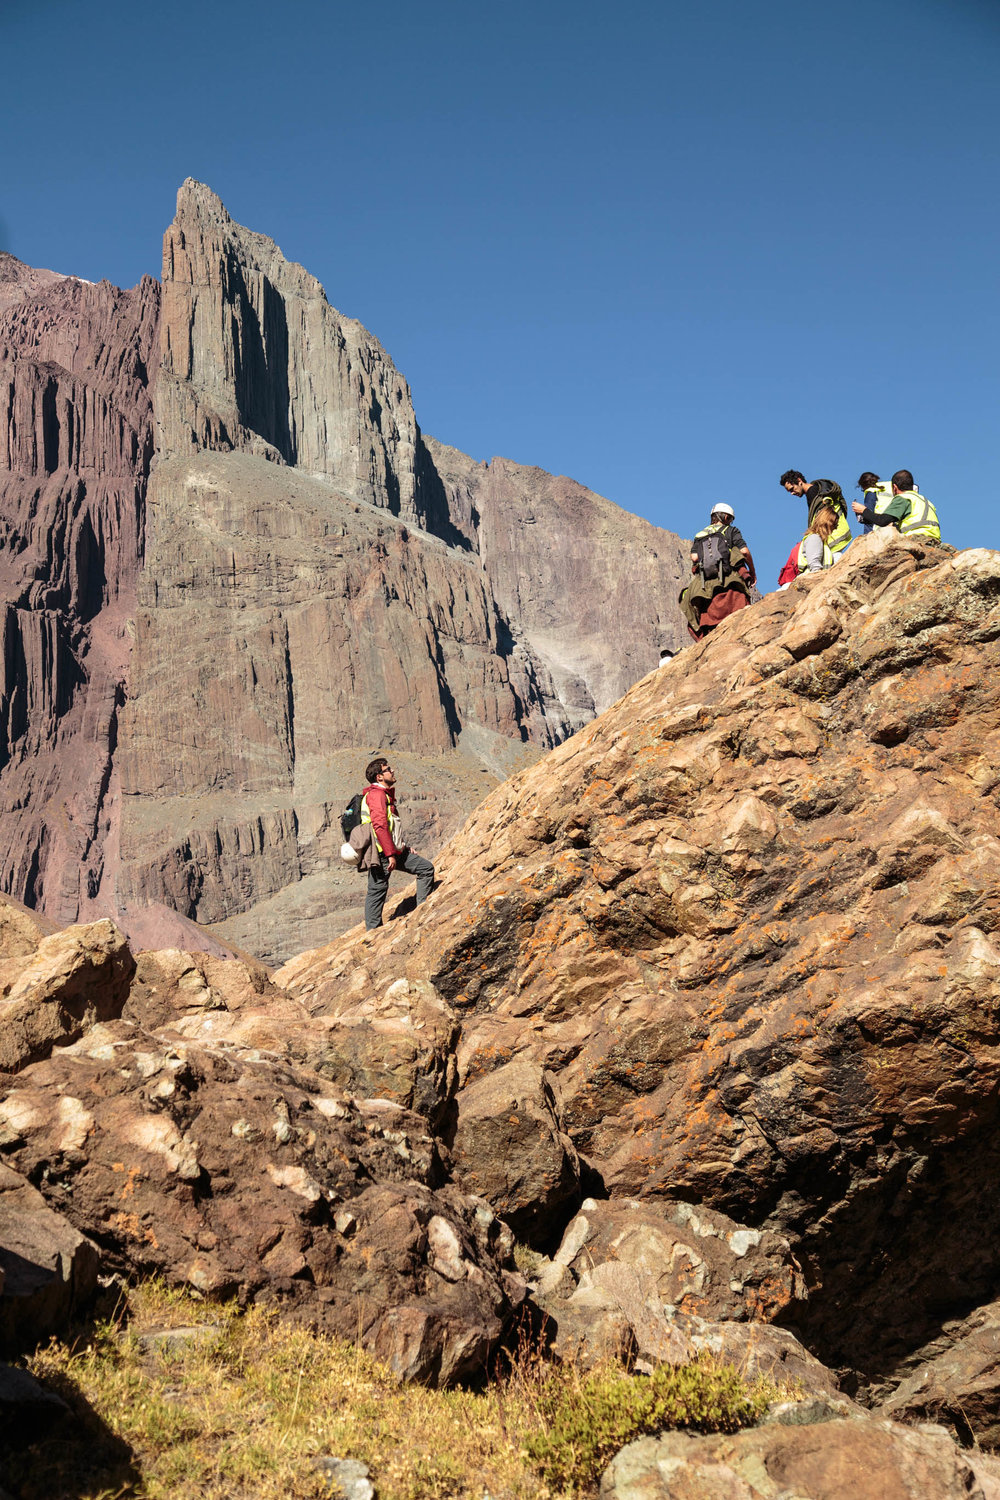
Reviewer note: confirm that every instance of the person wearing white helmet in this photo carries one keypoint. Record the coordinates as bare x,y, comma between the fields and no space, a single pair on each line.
722,571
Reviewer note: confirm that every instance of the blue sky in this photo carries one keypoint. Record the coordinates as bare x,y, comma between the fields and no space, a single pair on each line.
668,249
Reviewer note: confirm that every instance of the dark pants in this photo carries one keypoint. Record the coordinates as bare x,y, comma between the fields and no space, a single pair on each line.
378,884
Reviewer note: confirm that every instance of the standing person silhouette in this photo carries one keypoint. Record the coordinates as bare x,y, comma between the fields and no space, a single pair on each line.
722,573
386,853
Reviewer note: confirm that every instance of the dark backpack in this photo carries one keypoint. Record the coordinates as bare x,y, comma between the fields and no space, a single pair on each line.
713,553
832,495
351,816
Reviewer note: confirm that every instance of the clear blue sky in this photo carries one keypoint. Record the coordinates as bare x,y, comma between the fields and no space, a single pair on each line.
668,249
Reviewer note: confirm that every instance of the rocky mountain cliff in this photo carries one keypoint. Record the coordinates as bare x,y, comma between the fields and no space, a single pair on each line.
704,1011
75,407
235,568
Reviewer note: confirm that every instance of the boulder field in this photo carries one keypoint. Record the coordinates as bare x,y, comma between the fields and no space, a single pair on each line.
704,1012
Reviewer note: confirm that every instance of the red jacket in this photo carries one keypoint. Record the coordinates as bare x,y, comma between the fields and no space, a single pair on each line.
380,800
791,569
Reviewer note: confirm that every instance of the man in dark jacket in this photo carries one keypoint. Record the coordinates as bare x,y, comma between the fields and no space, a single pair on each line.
386,853
818,493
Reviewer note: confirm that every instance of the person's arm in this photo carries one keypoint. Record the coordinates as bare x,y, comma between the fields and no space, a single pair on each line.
378,806
891,516
814,552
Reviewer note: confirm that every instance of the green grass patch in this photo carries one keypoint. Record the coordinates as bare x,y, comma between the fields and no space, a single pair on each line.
242,1414
589,1416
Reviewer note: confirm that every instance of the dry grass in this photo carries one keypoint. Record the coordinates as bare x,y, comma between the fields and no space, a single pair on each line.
243,1415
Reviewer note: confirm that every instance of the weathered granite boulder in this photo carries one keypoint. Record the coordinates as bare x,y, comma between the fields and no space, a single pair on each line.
656,1284
48,1270
401,1049
509,1148
72,979
859,1459
695,1260
236,1174
170,984
955,1380
746,921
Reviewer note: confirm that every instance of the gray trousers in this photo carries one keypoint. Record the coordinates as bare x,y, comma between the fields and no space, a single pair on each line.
378,884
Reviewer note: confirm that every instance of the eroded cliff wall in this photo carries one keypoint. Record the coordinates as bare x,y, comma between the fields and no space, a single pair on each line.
76,420
235,569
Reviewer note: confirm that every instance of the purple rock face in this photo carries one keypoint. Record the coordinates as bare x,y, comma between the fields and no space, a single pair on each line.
76,410
233,568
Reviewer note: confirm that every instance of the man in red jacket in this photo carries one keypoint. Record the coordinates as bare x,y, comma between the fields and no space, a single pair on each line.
386,853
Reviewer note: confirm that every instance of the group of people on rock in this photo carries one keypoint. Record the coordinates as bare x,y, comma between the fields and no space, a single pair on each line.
723,576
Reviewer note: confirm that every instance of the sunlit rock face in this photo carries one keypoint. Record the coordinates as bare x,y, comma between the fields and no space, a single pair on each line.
741,931
236,568
76,367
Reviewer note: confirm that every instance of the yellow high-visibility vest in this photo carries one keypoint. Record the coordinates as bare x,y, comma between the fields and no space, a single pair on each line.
879,497
921,519
828,557
841,536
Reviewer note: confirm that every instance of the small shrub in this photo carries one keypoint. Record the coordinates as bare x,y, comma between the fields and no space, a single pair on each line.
586,1419
529,1262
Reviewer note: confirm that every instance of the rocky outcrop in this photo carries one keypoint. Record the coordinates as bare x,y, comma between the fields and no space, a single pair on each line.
826,1459
745,922
234,1174
76,362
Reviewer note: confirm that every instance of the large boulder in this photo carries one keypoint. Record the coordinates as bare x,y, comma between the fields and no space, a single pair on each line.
660,1283
234,1173
400,1047
48,1270
859,1459
745,921
508,1147
955,1380
696,1260
52,993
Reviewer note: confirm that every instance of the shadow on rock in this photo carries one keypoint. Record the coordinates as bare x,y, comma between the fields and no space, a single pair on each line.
55,1445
